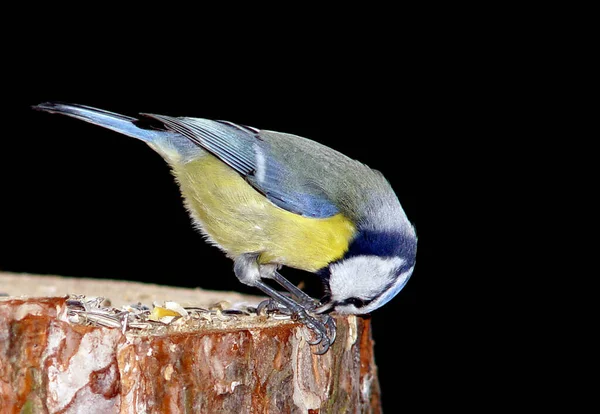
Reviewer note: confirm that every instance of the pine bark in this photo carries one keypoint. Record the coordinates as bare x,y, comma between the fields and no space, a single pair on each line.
236,364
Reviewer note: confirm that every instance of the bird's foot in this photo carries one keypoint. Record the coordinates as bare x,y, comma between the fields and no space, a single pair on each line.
322,327
269,306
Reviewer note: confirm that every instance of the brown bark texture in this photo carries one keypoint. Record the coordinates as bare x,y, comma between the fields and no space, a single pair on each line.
54,360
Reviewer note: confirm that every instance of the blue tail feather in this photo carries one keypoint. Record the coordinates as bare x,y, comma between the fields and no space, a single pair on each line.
167,143
116,122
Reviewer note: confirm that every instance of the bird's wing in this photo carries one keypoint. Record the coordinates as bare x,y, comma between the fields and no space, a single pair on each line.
273,173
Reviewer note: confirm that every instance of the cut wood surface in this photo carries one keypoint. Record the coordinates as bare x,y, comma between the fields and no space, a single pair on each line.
158,349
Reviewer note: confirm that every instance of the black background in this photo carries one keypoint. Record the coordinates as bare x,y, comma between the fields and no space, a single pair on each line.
79,200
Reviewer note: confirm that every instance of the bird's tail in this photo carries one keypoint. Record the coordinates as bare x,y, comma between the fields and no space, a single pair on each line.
171,145
120,123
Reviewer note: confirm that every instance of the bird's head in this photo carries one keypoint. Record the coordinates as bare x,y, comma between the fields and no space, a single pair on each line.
374,269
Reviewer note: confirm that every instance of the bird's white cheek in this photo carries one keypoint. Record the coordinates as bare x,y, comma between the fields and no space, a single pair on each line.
362,276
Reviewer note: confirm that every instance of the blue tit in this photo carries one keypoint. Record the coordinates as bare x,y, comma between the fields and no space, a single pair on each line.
270,199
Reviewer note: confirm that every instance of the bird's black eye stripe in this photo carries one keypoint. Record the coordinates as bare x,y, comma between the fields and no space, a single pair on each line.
357,302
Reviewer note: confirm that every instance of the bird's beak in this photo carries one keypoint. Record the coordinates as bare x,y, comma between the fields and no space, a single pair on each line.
326,307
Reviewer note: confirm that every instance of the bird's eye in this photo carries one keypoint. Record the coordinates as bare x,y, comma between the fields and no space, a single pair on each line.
357,302
325,299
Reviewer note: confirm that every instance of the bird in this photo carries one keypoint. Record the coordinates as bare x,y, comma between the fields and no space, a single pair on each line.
270,200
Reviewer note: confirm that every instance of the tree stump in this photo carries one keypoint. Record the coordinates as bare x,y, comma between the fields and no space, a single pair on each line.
77,354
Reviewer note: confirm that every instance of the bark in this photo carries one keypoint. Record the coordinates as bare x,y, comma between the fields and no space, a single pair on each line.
53,359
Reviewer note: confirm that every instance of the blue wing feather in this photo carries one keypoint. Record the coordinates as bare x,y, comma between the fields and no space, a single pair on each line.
243,150
230,145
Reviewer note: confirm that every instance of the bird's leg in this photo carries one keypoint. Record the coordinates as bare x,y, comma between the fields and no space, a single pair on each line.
305,301
249,272
300,314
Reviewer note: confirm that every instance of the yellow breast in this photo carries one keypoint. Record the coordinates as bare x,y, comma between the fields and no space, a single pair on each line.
240,220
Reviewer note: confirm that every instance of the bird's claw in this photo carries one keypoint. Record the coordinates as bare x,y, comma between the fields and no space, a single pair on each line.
330,324
324,331
322,326
303,309
269,306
